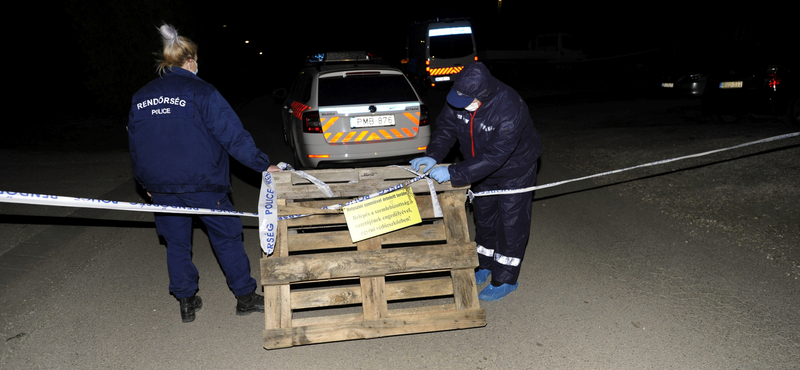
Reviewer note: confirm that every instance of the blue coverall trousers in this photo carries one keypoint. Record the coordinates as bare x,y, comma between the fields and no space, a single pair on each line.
502,229
225,235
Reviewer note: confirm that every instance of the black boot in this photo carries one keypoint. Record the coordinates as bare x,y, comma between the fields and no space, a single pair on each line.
247,303
189,306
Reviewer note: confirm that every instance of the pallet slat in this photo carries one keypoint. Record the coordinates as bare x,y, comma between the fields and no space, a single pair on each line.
364,329
341,239
350,183
285,270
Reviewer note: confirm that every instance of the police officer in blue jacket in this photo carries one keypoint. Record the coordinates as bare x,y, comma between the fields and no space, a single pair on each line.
181,131
495,132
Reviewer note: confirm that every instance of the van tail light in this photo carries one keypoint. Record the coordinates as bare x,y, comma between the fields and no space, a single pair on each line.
311,122
424,118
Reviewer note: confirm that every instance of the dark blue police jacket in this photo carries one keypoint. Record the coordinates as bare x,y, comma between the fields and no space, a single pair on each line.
180,133
499,143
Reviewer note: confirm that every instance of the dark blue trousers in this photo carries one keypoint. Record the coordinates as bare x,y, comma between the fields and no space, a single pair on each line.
224,232
502,229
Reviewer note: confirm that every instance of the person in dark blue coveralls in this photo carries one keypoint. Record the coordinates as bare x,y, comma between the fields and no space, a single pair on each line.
501,148
180,132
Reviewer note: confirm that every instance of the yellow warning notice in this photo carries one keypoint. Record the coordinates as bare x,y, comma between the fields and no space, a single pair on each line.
381,215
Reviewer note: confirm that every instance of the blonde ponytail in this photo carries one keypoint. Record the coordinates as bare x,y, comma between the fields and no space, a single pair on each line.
177,49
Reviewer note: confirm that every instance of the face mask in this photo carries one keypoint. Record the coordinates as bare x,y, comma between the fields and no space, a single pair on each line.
195,71
473,106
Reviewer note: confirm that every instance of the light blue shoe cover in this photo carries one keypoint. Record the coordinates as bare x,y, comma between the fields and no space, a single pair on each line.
495,293
481,275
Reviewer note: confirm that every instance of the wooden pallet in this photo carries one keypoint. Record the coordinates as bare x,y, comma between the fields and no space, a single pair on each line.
320,287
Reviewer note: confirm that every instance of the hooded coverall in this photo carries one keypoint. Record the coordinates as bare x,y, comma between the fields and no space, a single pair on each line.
501,149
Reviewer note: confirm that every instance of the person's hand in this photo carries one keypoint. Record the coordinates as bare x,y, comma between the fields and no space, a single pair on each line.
273,168
428,162
440,174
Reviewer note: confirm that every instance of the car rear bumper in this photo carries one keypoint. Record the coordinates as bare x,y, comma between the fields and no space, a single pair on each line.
361,155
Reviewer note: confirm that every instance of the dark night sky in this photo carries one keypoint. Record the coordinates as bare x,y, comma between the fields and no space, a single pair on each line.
108,45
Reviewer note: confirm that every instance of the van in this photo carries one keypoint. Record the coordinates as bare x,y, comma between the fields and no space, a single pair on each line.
437,50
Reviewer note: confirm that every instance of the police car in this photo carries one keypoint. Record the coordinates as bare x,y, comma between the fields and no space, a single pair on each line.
347,109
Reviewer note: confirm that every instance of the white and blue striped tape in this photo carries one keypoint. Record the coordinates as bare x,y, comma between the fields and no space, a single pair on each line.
268,208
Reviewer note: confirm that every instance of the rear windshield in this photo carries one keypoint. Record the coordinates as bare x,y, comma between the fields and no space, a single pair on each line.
451,46
368,89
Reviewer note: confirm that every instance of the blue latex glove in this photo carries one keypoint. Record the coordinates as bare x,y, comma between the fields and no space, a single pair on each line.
428,162
440,174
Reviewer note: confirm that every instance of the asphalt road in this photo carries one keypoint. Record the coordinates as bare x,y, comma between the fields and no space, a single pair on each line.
614,277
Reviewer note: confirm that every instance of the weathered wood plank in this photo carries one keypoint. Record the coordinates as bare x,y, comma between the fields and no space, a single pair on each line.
341,239
455,217
373,289
282,270
396,325
464,288
423,204
352,317
346,175
296,210
395,290
350,182
277,299
330,319
357,190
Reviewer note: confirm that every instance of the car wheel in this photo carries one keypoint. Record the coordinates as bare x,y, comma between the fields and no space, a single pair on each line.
792,116
724,118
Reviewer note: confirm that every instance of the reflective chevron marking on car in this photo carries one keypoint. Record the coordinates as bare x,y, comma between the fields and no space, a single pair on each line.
365,135
412,118
327,125
369,135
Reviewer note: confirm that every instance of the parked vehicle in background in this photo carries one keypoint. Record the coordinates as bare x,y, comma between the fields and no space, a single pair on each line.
761,80
437,50
693,84
348,109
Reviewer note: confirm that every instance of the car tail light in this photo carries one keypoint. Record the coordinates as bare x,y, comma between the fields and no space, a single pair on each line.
311,122
773,80
424,118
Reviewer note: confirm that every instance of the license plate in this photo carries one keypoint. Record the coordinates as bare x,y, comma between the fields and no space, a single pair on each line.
731,85
371,121
668,85
440,79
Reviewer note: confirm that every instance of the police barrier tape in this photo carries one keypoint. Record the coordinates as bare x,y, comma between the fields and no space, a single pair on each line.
437,209
472,195
268,219
267,215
